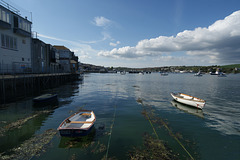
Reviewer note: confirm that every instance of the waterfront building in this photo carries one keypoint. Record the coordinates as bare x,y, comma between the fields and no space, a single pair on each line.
74,66
45,59
15,41
65,56
54,59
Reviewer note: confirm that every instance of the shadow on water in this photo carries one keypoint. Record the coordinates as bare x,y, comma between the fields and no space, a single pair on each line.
188,109
78,142
90,144
47,105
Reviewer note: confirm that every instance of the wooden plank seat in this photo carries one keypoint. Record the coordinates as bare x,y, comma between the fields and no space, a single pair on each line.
81,122
86,114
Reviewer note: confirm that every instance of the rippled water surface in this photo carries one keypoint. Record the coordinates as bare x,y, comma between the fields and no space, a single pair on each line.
121,103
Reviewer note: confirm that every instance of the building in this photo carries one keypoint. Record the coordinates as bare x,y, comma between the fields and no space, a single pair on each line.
54,59
40,56
15,41
74,66
65,56
45,59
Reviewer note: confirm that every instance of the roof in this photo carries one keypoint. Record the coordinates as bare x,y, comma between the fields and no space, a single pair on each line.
61,48
72,61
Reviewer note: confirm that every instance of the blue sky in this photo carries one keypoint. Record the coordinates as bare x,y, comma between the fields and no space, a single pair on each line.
140,33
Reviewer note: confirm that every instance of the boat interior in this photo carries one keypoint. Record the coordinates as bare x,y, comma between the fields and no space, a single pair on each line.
80,120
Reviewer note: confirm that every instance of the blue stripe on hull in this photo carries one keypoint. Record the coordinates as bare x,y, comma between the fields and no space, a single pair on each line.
74,132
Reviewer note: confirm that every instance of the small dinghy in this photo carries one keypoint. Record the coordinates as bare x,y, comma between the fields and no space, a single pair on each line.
78,124
188,100
45,98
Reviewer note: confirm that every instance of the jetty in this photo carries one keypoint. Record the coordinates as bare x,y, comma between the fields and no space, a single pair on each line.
18,86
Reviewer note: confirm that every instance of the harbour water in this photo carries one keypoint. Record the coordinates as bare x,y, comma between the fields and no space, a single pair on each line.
127,108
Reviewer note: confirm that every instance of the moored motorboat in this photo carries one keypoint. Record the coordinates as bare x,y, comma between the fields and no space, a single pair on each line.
189,100
78,124
45,98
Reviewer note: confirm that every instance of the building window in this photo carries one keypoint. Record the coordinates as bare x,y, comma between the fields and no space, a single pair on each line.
24,25
15,43
11,42
8,42
22,59
4,16
3,40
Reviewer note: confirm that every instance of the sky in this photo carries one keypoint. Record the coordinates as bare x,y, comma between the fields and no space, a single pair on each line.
139,33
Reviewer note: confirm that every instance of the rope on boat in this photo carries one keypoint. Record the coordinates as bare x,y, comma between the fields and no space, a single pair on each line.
171,133
109,139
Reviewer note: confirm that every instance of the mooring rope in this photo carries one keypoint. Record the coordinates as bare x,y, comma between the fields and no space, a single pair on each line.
171,133
152,126
109,139
177,140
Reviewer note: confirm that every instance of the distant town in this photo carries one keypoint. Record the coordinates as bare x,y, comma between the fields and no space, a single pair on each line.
89,68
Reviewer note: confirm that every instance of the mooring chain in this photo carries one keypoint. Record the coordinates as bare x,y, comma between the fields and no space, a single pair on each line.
111,128
170,132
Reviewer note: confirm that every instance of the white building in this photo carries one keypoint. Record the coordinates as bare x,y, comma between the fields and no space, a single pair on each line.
15,41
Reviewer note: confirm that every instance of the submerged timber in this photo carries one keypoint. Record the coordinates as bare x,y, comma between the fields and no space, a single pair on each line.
14,87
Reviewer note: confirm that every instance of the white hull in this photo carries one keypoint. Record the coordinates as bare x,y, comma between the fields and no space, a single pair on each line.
189,100
83,120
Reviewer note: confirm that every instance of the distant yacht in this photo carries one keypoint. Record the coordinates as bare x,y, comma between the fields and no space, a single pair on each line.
198,74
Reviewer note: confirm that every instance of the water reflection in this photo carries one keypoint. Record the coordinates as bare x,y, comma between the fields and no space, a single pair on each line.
47,105
78,142
14,133
188,109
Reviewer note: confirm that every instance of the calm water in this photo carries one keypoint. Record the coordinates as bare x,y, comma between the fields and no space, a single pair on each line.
213,133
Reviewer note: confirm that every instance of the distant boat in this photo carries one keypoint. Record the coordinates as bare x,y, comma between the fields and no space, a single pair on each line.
78,124
164,74
122,72
188,109
198,74
45,98
188,100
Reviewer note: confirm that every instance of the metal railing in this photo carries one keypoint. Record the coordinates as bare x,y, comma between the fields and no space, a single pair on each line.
9,7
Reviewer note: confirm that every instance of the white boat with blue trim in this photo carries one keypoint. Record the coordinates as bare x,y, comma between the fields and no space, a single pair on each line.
189,100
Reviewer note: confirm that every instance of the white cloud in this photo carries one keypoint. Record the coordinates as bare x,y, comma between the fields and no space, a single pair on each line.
114,44
218,43
101,22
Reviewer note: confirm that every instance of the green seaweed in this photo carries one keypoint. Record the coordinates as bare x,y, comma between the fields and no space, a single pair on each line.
152,149
31,147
